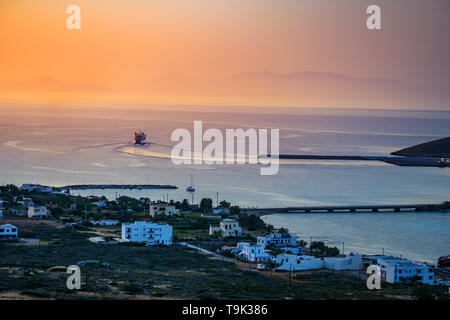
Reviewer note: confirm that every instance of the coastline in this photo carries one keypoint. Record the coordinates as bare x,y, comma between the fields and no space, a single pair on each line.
116,186
402,161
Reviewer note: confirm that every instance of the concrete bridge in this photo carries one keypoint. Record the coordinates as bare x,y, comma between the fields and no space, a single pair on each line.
349,208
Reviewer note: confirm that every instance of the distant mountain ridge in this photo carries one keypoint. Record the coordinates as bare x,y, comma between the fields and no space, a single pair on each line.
300,88
436,148
51,84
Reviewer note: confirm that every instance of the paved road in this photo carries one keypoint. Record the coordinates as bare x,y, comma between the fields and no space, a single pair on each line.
215,255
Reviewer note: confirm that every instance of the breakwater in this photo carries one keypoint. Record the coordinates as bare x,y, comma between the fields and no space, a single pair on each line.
118,186
399,161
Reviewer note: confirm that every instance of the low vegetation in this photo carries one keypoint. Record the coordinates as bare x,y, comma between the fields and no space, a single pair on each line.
121,271
37,269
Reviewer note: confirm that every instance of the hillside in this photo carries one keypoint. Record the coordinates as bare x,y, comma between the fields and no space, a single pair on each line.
435,148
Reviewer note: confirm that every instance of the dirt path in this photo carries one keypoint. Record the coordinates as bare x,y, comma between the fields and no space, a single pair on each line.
25,222
247,266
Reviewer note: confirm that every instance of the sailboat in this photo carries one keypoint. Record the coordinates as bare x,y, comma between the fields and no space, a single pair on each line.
191,187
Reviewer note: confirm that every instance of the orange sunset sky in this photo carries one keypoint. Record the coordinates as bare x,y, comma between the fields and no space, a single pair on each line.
249,52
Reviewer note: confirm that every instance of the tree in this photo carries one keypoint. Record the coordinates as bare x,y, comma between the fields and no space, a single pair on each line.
422,292
252,222
270,228
283,231
56,212
206,205
185,205
302,243
318,246
321,248
235,210
12,189
225,204
332,251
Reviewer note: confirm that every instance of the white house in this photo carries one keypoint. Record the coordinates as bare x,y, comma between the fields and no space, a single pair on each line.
254,254
384,261
220,210
35,211
241,245
396,270
100,204
24,201
8,232
164,209
374,259
70,224
19,211
149,232
227,228
60,193
292,250
212,215
292,262
352,261
105,222
277,239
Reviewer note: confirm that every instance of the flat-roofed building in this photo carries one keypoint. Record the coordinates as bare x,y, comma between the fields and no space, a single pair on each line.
227,228
277,239
36,211
8,232
395,270
147,232
165,209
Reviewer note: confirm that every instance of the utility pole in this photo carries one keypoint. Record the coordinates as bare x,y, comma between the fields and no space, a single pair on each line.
184,277
290,274
343,243
217,202
86,276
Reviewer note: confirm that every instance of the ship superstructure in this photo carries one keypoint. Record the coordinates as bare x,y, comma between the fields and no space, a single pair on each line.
139,137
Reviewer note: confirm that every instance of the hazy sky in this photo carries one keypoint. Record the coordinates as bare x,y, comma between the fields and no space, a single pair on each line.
123,43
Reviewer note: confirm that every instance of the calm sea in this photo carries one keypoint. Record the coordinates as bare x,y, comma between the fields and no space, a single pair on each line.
73,145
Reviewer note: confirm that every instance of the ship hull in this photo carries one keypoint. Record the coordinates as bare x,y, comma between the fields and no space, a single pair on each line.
139,142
